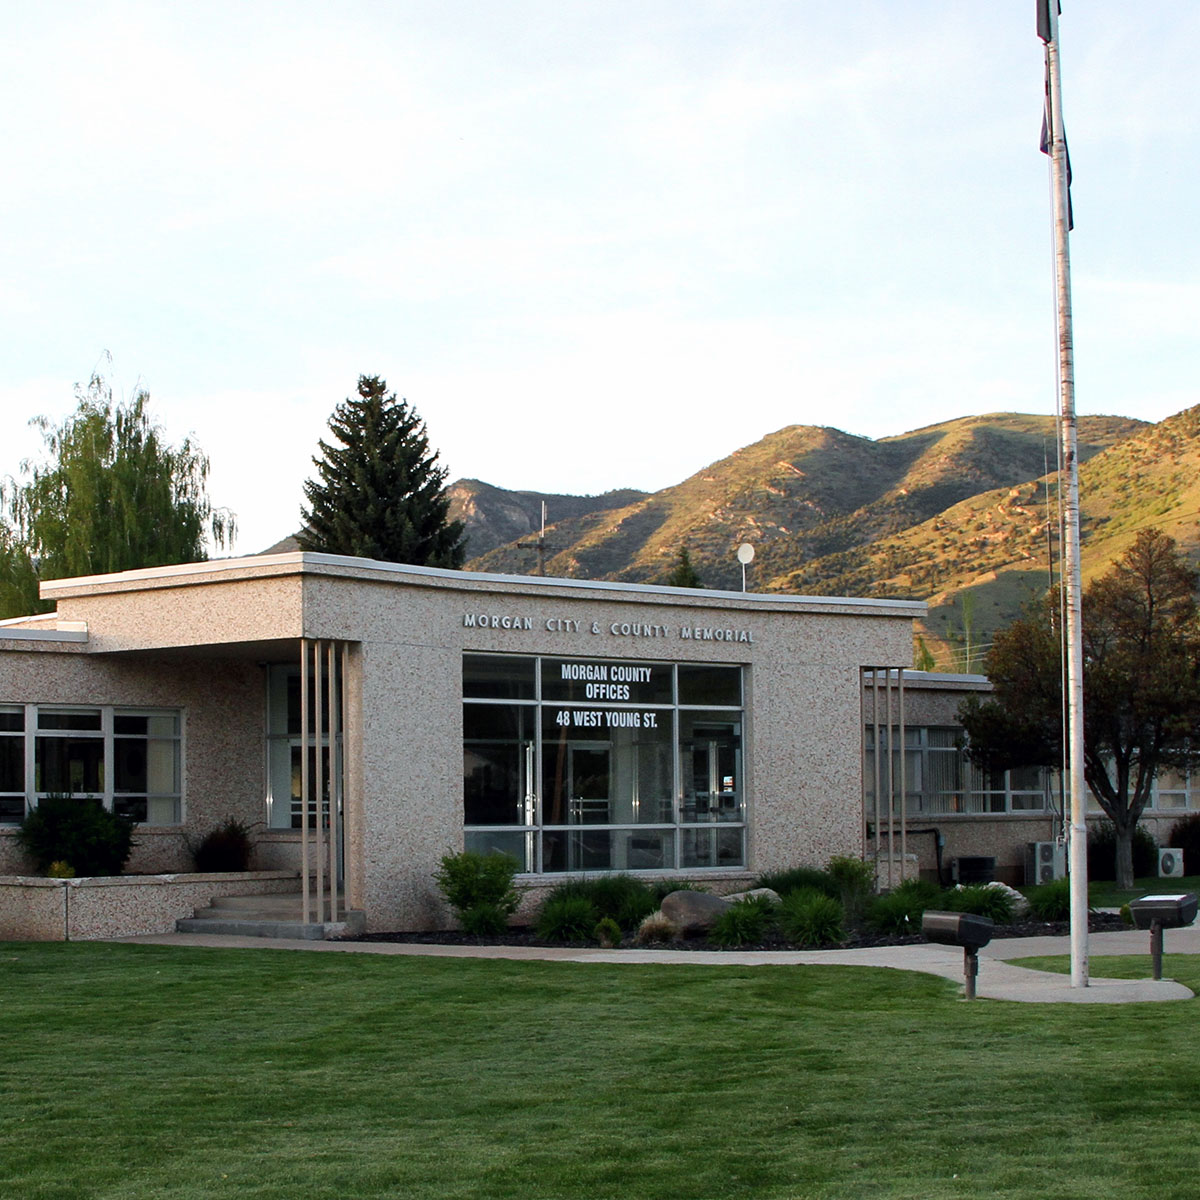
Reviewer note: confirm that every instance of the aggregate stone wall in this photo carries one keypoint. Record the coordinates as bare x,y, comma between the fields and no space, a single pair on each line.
56,910
802,733
222,703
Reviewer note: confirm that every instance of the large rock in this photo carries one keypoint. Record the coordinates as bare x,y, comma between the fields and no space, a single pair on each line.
756,894
694,912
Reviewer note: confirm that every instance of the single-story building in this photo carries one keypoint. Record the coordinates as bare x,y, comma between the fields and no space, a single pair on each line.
580,726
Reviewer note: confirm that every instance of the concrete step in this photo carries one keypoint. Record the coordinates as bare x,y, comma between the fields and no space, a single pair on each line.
272,916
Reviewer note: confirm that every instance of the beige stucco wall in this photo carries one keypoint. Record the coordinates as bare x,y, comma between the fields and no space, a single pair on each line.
223,720
407,631
802,734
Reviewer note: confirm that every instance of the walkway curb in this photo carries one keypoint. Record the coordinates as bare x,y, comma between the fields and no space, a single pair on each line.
999,978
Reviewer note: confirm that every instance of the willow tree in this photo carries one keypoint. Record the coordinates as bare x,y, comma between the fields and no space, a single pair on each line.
111,495
379,491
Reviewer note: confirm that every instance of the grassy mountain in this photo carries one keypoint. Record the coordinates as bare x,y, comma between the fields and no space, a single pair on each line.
494,516
981,559
811,500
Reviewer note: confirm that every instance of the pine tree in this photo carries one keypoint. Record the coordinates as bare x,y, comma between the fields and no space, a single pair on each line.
380,493
684,574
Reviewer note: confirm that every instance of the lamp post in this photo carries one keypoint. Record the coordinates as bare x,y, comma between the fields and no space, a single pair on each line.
745,555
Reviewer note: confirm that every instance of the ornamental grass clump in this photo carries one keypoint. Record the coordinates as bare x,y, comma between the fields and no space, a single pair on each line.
567,917
980,899
812,878
479,887
812,919
1050,901
900,910
622,898
656,928
744,923
226,848
855,881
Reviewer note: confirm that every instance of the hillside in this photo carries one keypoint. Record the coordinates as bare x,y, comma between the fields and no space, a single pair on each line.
980,560
807,497
493,516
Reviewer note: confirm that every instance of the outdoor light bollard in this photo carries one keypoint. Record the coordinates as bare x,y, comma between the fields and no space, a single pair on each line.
1157,913
960,929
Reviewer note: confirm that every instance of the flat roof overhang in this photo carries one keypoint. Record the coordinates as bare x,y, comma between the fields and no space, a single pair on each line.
306,563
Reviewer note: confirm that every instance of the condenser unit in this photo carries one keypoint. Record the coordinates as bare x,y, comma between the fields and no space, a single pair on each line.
1170,863
1044,862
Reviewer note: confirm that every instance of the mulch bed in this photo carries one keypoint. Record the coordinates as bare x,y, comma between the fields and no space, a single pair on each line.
524,936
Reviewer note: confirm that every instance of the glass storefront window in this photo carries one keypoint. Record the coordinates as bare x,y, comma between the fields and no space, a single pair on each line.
596,765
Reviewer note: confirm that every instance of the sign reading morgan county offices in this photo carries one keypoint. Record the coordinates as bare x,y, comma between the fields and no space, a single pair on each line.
613,629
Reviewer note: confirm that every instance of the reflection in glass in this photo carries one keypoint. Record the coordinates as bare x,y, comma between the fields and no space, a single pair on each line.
711,756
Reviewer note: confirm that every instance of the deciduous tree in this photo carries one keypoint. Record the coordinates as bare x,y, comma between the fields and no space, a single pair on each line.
379,491
111,495
1141,685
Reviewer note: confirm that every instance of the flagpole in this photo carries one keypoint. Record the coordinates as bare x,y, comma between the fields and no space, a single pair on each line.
1057,149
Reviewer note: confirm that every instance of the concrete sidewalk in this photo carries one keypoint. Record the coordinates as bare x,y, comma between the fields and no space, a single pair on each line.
999,976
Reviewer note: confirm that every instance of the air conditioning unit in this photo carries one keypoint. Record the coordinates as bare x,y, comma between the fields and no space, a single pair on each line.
1170,863
1044,862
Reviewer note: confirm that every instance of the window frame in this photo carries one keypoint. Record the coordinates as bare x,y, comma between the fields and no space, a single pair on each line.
34,734
535,834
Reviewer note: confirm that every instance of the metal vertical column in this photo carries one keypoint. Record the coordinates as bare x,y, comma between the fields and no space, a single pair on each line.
319,786
335,778
304,743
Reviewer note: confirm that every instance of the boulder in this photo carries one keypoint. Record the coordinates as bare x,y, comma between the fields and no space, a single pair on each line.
754,894
693,912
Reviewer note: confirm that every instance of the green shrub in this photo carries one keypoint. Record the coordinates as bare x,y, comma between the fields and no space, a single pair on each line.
60,870
812,918
470,880
226,848
622,898
1102,852
855,881
1050,901
900,910
793,880
566,918
78,831
980,899
483,920
1185,836
744,923
607,932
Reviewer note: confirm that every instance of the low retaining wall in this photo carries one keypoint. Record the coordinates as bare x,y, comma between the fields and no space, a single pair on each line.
33,909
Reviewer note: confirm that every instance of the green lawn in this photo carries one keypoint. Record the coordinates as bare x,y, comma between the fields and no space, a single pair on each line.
141,1071
1106,894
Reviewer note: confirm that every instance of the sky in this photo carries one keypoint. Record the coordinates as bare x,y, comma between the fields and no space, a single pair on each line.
594,245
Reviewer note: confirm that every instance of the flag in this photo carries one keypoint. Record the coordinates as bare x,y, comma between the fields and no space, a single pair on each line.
1043,18
1045,148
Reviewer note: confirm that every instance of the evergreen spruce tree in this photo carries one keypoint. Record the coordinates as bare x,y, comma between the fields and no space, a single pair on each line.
684,574
379,492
